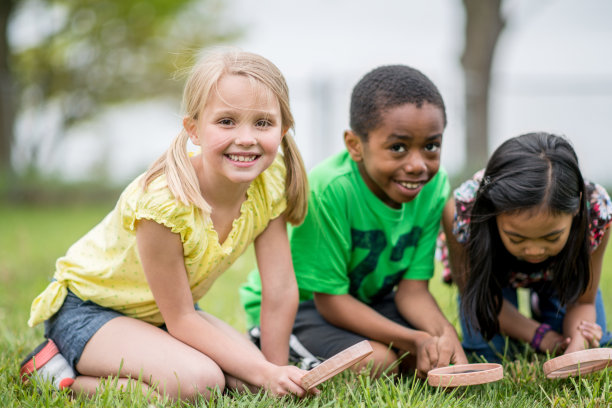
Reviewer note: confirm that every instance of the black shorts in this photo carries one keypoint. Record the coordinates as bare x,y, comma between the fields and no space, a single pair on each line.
323,339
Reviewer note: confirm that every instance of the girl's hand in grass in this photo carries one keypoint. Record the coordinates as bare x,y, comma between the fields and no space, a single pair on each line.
554,343
284,380
588,336
591,332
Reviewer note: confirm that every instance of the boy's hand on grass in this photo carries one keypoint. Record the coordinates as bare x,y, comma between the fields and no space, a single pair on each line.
450,349
426,354
438,351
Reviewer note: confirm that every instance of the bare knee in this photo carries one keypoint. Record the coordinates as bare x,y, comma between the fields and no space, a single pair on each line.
187,383
382,360
206,380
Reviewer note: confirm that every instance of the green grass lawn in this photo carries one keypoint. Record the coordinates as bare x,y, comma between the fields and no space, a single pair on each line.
31,238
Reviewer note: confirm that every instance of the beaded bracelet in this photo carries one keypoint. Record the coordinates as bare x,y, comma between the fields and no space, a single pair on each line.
539,335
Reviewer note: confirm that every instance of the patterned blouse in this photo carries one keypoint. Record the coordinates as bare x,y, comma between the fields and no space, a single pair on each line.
599,207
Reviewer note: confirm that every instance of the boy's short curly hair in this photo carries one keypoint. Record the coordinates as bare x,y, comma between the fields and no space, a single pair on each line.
387,87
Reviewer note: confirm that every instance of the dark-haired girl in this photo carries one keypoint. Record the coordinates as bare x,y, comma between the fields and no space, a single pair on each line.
529,220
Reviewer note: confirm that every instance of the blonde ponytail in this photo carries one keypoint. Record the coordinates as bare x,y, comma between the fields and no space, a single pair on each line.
296,182
180,174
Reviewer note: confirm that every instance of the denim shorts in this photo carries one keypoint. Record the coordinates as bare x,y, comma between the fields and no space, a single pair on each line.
75,323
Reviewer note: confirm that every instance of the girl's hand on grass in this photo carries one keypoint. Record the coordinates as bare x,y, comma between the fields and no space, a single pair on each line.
588,336
591,332
284,380
554,343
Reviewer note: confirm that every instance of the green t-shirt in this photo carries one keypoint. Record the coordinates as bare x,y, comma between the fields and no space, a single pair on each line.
353,243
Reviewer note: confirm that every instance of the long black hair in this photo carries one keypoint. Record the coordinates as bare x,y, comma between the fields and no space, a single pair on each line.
526,172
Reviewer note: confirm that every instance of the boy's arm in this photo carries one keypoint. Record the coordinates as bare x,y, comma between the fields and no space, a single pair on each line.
417,305
346,312
280,298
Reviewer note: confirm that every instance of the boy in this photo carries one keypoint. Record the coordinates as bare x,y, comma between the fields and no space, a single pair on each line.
365,252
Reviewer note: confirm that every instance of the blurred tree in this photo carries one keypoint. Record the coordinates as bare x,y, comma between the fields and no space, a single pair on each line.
7,92
483,26
94,53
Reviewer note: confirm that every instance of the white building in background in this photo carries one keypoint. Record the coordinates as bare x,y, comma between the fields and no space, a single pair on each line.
553,72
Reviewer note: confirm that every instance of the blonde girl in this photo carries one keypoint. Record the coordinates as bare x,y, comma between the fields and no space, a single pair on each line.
123,300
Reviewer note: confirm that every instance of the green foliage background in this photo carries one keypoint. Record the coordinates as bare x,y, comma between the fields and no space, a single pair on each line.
89,54
109,51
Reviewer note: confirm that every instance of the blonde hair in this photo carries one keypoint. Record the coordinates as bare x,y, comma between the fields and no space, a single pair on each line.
203,78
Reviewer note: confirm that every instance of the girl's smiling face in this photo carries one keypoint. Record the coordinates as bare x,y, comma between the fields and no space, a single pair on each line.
239,130
534,235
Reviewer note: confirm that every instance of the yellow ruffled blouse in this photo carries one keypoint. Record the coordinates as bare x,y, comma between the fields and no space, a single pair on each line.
104,265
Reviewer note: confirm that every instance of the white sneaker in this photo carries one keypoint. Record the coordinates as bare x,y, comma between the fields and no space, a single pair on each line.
47,362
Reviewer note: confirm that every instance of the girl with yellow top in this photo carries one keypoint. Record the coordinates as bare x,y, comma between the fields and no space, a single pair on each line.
122,299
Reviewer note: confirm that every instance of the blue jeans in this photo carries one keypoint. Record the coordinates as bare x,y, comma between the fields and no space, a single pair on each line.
550,311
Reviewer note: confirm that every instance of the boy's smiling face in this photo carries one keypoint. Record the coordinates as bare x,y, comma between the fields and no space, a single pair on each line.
401,154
